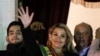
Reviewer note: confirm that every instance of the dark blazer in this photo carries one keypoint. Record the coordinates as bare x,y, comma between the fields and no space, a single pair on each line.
70,54
86,52
30,42
16,50
29,47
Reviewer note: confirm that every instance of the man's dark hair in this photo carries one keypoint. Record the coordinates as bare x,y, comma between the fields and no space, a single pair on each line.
14,23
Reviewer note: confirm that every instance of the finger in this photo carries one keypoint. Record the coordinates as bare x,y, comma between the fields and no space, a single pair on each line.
27,11
20,12
32,15
18,17
23,11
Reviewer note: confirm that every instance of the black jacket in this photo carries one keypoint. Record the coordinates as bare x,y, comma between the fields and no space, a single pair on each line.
29,47
67,53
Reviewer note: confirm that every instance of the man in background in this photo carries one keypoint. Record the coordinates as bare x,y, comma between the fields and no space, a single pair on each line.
83,35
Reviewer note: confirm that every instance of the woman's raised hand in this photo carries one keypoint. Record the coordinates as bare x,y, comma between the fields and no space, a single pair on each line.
25,17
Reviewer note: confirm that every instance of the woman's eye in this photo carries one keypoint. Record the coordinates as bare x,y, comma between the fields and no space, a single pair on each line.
63,36
55,34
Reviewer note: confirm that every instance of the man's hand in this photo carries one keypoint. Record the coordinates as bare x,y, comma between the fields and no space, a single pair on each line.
25,17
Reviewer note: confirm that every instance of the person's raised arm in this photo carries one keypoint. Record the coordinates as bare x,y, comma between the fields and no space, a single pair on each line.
29,36
25,17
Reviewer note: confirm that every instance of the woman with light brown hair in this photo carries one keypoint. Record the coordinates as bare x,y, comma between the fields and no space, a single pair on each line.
60,41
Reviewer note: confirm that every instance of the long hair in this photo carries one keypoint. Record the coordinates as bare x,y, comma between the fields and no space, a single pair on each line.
68,43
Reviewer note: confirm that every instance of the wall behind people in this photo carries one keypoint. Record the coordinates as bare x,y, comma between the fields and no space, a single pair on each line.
7,14
79,13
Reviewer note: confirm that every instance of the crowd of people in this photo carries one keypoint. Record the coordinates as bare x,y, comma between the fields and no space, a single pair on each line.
22,39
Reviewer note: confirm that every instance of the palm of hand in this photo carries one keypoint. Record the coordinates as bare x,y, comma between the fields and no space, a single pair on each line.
26,20
24,17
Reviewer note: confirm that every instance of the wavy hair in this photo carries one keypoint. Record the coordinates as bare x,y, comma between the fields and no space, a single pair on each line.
68,44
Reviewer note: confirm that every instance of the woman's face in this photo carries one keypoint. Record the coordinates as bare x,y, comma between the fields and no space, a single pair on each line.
58,38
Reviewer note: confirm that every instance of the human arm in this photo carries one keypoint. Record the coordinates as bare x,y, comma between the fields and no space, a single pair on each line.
94,48
29,36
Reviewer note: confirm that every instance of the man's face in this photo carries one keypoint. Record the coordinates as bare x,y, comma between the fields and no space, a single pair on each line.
82,35
14,35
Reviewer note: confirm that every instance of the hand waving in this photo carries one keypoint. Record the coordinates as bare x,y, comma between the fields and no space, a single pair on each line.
25,17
